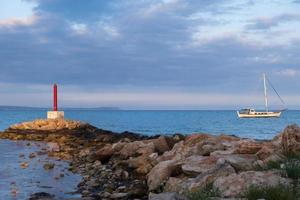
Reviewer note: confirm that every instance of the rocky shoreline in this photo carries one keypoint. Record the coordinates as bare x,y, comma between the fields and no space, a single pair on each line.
132,166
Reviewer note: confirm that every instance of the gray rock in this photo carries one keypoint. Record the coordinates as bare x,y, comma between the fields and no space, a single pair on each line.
236,184
118,195
166,196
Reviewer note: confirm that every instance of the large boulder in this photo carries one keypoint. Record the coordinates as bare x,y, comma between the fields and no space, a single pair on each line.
195,165
240,162
162,144
137,148
199,144
248,147
105,153
142,164
161,172
183,184
235,185
290,139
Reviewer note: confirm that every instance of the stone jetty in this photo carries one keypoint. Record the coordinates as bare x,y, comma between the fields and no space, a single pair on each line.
133,166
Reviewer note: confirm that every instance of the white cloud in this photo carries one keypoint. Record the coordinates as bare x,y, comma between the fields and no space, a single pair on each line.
288,72
79,28
111,30
27,21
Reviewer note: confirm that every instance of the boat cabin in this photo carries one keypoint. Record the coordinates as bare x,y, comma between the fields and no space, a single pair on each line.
247,111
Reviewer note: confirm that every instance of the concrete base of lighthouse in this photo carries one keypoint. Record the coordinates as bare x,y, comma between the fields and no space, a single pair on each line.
55,114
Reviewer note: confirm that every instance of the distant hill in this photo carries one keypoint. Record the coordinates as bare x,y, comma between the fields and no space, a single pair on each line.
20,108
97,108
15,108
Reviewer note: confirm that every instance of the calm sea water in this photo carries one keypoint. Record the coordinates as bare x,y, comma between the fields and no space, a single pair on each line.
17,183
167,122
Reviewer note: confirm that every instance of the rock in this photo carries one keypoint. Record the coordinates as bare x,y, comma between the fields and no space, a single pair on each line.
166,196
48,166
41,196
53,146
84,152
105,153
142,164
195,165
177,153
24,165
240,162
266,151
248,147
161,144
235,185
181,185
199,144
136,148
161,172
118,195
291,139
50,124
208,178
176,184
32,155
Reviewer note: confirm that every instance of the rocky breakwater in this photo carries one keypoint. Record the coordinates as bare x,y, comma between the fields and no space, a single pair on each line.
113,165
131,166
227,166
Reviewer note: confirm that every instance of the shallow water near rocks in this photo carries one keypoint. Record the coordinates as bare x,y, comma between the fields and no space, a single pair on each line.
19,183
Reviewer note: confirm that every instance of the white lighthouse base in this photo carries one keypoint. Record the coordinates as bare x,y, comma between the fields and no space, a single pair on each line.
55,114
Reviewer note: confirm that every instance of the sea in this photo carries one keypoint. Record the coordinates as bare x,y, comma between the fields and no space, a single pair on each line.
18,183
165,122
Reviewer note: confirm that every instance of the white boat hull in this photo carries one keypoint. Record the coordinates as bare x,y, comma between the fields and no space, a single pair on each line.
259,115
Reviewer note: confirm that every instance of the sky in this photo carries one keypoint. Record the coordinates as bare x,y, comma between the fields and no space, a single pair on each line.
149,54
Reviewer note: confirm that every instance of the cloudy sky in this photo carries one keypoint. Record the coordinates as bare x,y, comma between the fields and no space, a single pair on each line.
149,54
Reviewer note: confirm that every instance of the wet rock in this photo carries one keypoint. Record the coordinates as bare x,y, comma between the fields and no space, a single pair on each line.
32,155
24,165
53,146
48,166
235,185
41,196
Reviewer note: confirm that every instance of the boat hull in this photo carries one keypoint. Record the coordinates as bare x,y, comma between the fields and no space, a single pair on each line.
259,115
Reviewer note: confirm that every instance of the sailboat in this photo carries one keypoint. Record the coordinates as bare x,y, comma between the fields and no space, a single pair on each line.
252,113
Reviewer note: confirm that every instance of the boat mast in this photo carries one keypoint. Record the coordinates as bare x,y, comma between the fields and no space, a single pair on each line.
266,94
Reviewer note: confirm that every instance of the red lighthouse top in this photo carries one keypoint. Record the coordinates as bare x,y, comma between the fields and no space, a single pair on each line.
54,97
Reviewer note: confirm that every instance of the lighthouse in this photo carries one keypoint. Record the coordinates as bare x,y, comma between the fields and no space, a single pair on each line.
55,114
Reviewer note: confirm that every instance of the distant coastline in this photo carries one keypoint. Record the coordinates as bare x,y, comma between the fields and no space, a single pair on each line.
25,108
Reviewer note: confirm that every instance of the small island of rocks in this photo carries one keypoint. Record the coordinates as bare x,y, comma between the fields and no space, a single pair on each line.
167,167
